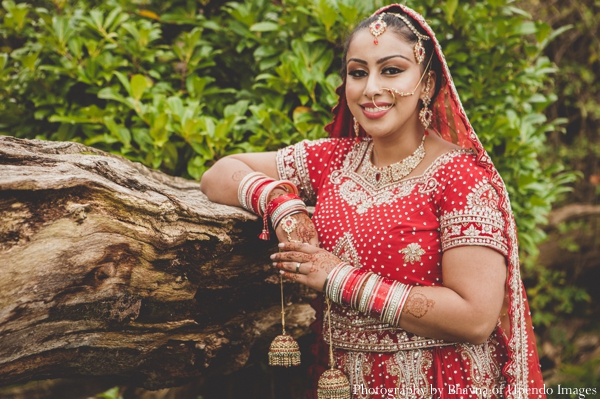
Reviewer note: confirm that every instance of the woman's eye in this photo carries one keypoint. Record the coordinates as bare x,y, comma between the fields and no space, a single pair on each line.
392,71
357,73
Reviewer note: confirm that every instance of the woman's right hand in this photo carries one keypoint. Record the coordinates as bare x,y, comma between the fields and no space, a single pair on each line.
301,229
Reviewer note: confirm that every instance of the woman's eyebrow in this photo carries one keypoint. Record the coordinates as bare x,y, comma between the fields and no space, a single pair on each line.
379,61
384,59
357,60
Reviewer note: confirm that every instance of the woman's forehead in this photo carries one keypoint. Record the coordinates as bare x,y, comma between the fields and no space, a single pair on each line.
362,46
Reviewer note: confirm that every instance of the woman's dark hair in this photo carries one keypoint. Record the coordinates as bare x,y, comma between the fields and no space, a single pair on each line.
397,26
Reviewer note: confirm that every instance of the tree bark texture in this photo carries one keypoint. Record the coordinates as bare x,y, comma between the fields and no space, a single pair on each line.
108,268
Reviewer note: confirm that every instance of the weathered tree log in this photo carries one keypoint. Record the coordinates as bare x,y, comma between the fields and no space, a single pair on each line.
575,248
572,211
112,269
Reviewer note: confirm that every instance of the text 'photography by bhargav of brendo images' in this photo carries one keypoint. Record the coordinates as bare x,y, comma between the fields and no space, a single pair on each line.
436,393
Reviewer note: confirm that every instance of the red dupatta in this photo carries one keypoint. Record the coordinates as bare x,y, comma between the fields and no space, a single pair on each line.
522,370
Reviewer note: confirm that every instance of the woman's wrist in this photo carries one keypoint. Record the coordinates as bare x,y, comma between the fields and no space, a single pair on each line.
367,292
269,198
283,206
277,192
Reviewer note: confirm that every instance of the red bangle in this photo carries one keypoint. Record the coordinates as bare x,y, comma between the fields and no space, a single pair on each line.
380,297
272,207
256,193
356,292
263,201
276,202
352,285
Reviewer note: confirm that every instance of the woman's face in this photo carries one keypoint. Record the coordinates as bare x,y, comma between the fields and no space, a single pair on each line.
389,64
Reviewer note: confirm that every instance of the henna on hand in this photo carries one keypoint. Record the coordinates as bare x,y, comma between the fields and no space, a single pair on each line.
293,257
323,260
279,265
239,175
306,229
418,305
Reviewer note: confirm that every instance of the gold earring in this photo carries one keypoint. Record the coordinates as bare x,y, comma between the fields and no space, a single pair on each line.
426,114
356,127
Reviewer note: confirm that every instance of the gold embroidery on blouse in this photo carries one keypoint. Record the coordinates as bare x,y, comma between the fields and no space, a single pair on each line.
354,195
292,165
345,250
412,253
480,223
359,193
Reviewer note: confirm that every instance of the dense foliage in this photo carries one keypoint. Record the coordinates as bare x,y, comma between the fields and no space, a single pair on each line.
577,53
163,84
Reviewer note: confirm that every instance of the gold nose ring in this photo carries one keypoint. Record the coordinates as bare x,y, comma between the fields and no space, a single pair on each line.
377,107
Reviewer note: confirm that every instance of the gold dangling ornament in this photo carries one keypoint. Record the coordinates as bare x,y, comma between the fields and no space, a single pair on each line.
333,384
378,27
426,114
356,128
284,350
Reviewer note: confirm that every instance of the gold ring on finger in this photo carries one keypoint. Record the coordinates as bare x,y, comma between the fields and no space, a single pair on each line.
298,267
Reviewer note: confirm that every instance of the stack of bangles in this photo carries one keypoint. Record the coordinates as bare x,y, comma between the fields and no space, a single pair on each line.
253,194
367,292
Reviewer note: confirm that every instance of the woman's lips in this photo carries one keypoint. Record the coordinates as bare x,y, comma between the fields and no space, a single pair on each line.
372,112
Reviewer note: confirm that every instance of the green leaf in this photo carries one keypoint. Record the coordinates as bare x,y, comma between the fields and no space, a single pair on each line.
450,8
119,131
114,19
17,14
176,106
124,81
327,13
3,60
109,93
158,129
139,84
196,167
112,393
348,12
264,27
526,28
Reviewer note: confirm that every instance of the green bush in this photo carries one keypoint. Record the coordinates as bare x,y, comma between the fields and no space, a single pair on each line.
176,86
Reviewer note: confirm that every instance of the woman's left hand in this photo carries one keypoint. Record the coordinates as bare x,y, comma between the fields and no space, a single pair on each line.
305,263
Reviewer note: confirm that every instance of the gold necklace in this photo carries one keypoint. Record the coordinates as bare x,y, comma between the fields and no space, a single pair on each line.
379,177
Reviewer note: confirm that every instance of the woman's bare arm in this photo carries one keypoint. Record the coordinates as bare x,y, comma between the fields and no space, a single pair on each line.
220,183
468,306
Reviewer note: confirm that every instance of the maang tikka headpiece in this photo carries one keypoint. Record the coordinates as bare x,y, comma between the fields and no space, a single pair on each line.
379,26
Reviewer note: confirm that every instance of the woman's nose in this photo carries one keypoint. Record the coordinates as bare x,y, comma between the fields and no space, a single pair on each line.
373,86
